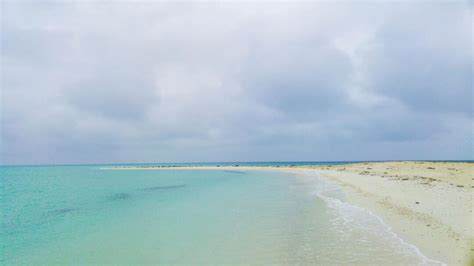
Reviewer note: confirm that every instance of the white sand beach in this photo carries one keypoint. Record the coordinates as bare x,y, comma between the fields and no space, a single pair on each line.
427,204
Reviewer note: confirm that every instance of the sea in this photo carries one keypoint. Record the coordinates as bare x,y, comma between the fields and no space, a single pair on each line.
95,214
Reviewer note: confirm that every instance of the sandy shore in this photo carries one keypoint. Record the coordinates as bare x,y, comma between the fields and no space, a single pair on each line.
428,204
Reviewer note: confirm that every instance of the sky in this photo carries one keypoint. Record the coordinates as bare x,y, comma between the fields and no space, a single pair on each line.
142,81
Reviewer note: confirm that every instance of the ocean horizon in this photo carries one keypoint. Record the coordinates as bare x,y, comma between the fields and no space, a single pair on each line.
232,163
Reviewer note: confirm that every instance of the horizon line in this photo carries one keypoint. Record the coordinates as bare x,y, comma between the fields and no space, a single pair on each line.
235,162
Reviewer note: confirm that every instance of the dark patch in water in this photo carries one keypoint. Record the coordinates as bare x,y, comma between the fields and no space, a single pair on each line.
163,187
63,211
234,172
119,196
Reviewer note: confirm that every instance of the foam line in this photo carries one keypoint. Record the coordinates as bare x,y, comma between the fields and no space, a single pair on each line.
337,203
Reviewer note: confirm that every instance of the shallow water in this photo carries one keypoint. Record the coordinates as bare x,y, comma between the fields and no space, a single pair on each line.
82,214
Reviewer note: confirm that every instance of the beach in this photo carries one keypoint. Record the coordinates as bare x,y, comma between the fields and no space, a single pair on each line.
427,204
189,216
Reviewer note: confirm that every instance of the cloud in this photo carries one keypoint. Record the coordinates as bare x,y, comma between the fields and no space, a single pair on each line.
135,82
424,62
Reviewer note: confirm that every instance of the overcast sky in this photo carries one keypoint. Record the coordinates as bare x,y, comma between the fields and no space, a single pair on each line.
112,82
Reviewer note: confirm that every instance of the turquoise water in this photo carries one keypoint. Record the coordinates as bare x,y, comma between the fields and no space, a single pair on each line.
85,215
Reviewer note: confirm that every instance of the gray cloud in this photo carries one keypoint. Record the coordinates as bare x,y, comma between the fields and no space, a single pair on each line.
135,82
427,63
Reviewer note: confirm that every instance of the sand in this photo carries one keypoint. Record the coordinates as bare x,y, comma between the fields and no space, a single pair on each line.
428,204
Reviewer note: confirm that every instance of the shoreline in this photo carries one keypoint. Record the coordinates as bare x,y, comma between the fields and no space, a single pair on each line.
427,204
